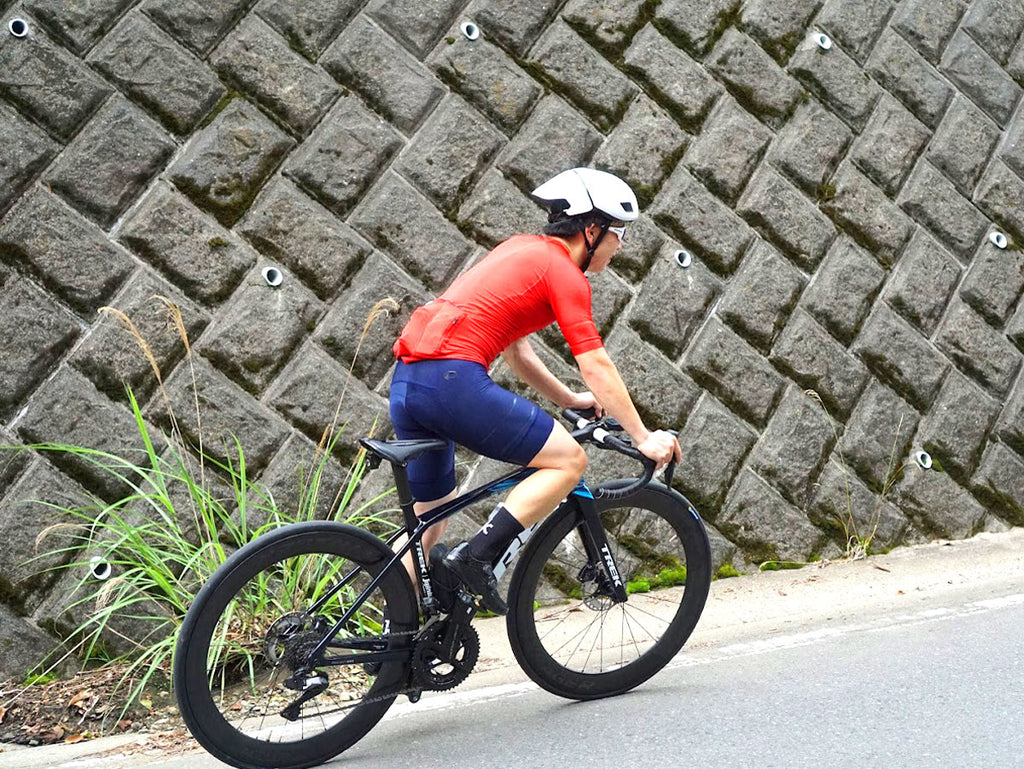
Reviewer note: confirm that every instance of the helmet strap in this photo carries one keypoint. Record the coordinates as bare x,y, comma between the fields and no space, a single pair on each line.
592,247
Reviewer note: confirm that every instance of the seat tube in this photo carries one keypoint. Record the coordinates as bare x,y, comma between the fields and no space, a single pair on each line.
405,498
595,542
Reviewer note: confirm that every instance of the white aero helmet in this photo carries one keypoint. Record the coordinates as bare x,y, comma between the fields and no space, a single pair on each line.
584,190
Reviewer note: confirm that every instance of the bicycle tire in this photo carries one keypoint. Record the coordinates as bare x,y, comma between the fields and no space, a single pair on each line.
230,660
570,642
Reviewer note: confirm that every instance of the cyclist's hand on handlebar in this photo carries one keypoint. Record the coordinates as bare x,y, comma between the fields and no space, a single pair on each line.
662,447
583,401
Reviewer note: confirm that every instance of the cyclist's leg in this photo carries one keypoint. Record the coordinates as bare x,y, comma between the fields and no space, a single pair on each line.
561,463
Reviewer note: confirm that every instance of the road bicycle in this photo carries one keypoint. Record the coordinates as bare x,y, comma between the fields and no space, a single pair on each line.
301,641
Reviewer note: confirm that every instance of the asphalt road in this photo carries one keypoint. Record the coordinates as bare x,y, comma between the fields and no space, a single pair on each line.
906,660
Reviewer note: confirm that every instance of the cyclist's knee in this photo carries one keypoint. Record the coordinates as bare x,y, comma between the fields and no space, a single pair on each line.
577,463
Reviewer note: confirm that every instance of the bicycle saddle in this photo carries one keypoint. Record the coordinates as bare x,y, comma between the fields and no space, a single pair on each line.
400,452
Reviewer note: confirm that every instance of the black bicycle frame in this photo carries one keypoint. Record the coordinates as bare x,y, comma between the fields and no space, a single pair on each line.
592,533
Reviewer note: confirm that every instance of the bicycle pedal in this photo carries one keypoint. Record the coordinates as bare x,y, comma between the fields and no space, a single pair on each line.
414,695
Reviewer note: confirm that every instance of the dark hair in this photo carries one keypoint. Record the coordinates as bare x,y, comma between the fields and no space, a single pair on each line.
567,226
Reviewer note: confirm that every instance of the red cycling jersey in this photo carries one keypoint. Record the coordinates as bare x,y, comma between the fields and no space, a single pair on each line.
523,285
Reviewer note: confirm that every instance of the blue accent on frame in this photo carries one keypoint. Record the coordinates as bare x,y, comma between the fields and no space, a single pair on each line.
582,490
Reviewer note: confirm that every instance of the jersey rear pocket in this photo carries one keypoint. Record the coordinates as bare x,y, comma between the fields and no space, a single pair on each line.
428,329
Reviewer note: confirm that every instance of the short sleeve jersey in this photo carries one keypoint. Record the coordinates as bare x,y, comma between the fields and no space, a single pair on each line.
524,284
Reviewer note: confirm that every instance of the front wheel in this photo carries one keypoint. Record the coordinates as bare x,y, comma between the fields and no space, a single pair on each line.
567,630
243,678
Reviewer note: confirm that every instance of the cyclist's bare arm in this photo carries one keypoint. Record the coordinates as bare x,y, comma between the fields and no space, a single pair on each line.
528,366
603,379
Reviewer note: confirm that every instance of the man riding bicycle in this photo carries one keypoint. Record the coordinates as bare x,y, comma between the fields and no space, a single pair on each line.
441,388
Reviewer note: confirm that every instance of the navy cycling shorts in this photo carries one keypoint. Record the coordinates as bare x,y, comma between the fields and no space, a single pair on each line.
457,401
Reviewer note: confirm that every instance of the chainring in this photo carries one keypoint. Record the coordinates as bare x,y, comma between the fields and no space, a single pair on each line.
432,669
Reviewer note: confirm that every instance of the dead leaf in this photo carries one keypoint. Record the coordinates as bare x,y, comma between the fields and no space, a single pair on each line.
72,739
83,695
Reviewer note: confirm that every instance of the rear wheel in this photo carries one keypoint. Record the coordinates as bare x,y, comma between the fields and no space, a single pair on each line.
567,630
245,685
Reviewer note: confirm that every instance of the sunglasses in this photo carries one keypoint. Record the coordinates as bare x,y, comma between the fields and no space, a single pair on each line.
619,231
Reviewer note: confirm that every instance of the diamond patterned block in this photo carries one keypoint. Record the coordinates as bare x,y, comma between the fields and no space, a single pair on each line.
111,357
922,282
843,504
754,78
513,24
994,283
287,226
854,24
343,157
975,73
1012,151
761,296
956,429
553,139
391,80
778,25
344,331
68,410
47,83
751,505
813,359
422,241
786,218
202,258
901,357
24,152
317,396
417,24
36,333
487,78
844,289
158,74
1000,482
79,24
257,61
223,169
1011,421
608,25
878,435
890,144
255,332
672,304
809,147
451,151
662,393
582,75
497,210
716,443
643,148
963,144
699,220
794,447
837,80
908,77
996,25
999,194
302,482
860,209
734,372
935,203
694,24
93,175
199,24
728,149
643,244
928,24
226,414
681,85
69,255
308,27
938,505
977,349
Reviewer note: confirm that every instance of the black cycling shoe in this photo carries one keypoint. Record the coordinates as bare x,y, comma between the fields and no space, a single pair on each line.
477,576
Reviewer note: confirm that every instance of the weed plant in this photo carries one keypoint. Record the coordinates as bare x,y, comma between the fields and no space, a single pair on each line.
142,558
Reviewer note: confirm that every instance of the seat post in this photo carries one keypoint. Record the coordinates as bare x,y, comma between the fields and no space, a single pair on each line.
405,498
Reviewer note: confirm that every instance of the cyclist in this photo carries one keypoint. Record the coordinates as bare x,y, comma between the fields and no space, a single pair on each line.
441,389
